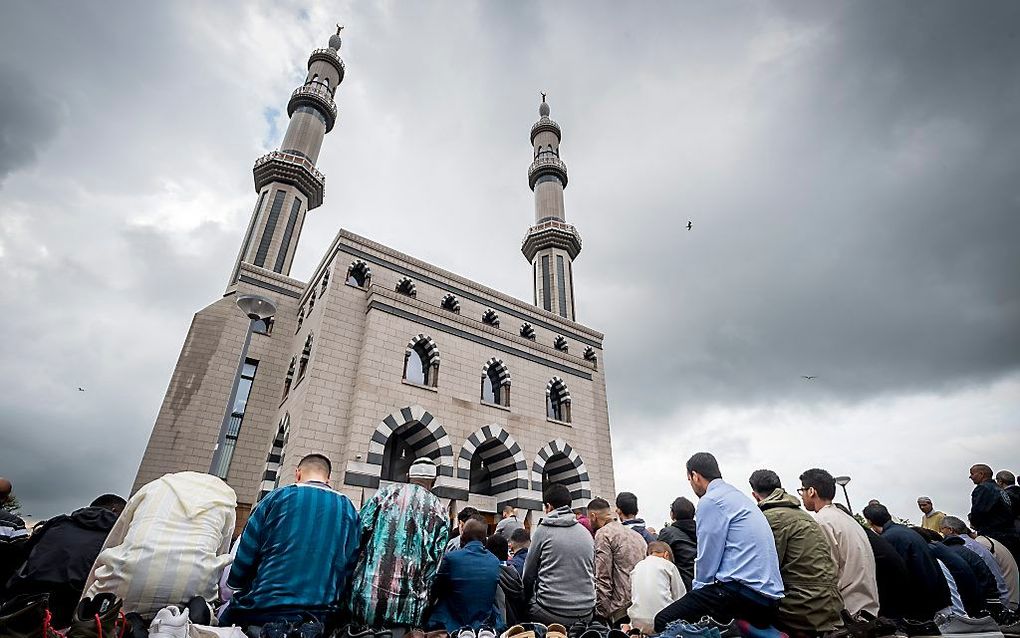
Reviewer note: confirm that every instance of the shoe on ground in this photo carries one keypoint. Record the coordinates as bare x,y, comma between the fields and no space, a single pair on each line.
466,632
554,630
959,626
199,611
169,622
517,631
489,632
726,629
26,616
682,629
97,617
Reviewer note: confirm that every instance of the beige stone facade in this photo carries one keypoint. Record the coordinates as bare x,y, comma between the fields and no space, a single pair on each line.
381,357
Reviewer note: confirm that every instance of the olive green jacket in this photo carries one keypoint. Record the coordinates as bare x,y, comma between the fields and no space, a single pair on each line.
811,601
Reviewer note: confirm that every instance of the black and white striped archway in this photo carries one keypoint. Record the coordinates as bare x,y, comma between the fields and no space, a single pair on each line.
405,435
493,464
558,462
274,460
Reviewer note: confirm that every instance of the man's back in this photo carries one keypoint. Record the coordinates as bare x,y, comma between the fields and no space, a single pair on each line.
811,602
1007,565
682,538
296,552
560,566
63,549
617,551
507,526
171,543
404,533
735,542
927,582
991,512
892,577
854,559
466,590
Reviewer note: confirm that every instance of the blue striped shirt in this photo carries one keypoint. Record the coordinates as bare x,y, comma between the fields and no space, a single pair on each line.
297,551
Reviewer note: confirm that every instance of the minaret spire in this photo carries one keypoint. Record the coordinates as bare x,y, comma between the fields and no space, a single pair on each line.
287,182
551,244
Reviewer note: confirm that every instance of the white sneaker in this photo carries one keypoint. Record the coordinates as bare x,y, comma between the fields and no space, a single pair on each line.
170,622
966,627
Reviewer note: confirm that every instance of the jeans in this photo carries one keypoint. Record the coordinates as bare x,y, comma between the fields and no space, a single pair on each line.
723,602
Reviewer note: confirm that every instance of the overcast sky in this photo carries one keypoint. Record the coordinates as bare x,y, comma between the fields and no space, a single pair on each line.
852,172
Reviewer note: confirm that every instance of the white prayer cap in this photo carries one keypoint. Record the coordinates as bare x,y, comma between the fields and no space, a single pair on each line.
423,468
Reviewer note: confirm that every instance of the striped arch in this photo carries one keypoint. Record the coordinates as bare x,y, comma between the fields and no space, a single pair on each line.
274,461
360,272
427,345
557,462
502,372
422,432
503,457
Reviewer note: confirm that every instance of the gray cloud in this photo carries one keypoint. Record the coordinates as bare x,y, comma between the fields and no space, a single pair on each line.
850,168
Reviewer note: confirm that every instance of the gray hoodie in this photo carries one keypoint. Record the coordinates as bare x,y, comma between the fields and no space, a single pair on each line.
559,572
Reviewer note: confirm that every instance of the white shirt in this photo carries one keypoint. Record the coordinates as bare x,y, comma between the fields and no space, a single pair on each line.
655,584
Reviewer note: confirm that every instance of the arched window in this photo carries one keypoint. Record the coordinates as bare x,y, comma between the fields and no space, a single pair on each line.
311,302
359,274
406,287
421,361
557,400
589,355
325,81
300,319
489,317
451,303
527,331
306,354
496,383
560,343
289,379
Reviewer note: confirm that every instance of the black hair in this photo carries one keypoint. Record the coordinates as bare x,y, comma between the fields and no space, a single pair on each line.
319,461
598,504
682,509
764,482
877,514
626,502
557,495
111,502
473,531
498,546
704,464
821,480
466,513
520,535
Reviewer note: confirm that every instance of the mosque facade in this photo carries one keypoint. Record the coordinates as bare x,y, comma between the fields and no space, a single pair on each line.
380,358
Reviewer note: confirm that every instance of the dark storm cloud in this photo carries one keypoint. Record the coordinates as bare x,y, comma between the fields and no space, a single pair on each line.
29,119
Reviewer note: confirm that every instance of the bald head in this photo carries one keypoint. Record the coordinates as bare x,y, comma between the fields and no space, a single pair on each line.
5,490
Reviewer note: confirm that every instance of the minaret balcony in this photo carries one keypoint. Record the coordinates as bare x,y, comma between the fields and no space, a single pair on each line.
545,124
291,168
330,56
547,164
551,233
317,96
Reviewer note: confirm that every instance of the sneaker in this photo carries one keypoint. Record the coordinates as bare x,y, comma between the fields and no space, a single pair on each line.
518,631
275,630
489,632
466,632
310,629
554,630
681,629
97,617
953,625
919,629
1012,629
26,616
170,622
726,630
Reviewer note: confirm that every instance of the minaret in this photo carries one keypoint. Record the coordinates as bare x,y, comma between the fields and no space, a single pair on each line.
287,182
551,244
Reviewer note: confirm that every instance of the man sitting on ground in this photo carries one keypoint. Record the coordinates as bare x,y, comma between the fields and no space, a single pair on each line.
559,572
930,592
655,584
811,603
60,555
520,541
682,537
855,560
956,533
509,523
737,569
296,552
465,588
617,551
627,510
1007,564
404,529
170,544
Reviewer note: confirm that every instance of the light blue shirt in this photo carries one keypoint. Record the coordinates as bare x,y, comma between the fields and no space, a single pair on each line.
735,542
993,566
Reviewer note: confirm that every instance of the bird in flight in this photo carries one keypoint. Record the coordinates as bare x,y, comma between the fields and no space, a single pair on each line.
807,378
81,389
689,224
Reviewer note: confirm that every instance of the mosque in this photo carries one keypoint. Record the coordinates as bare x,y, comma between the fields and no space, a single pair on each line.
380,358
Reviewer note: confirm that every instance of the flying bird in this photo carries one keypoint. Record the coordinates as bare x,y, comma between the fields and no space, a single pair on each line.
807,378
689,224
81,389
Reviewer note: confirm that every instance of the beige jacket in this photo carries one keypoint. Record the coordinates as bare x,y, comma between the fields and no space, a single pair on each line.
854,558
617,551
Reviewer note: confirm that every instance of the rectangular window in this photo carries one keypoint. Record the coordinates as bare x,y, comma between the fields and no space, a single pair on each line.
546,284
561,280
237,416
267,235
251,231
288,232
570,273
